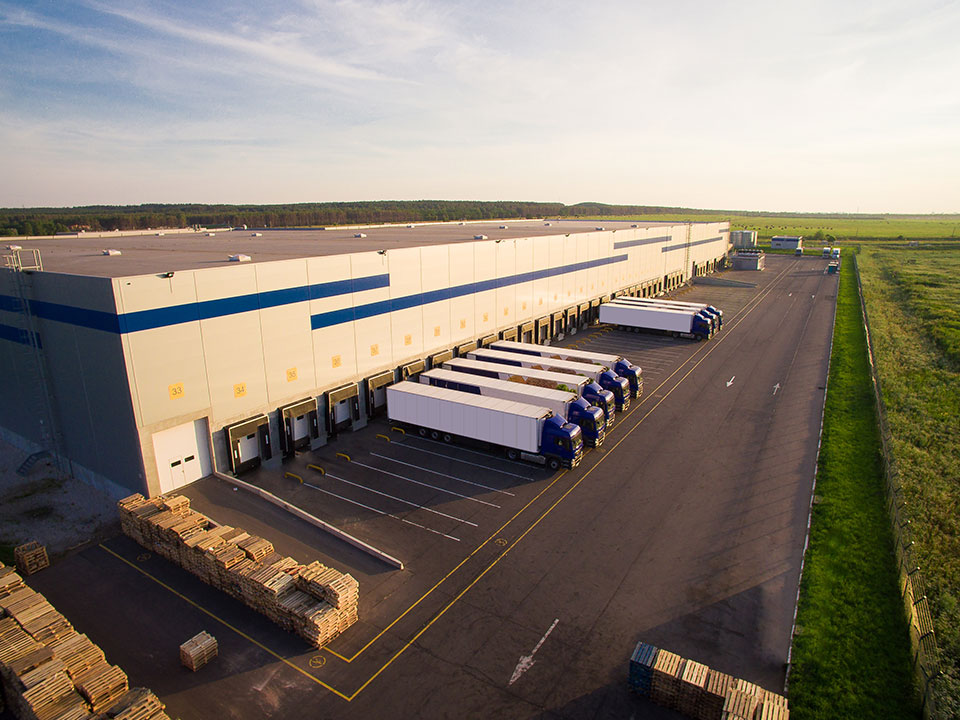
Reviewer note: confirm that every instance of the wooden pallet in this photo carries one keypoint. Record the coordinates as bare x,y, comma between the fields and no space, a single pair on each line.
136,704
772,711
101,685
30,557
692,682
739,705
10,581
78,653
667,670
198,651
15,643
714,693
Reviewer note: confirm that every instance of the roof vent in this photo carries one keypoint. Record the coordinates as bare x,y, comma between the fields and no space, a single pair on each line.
256,234
239,257
112,252
360,235
480,237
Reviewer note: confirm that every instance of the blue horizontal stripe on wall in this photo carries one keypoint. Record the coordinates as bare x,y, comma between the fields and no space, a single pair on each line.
191,312
642,241
17,335
382,307
681,246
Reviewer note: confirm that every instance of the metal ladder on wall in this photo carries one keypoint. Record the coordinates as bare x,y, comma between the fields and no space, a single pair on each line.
20,264
686,252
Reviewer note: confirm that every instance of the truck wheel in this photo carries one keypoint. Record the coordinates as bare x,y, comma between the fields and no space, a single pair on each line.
512,454
447,438
553,464
698,338
434,435
422,432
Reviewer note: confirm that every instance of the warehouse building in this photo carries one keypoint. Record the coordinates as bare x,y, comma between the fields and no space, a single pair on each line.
786,242
149,363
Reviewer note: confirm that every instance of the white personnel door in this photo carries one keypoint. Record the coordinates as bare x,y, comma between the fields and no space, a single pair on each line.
301,427
182,454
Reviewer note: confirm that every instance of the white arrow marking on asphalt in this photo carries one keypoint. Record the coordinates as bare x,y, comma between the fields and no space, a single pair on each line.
812,297
789,294
526,661
775,388
730,381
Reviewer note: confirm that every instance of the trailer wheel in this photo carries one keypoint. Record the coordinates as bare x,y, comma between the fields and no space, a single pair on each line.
512,454
447,438
676,334
434,435
553,464
422,432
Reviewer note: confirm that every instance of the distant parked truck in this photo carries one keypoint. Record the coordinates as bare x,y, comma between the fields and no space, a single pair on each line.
580,384
523,432
715,315
826,252
564,403
600,374
619,364
679,323
835,253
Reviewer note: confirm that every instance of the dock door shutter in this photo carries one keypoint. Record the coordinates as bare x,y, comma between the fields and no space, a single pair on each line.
343,407
249,442
558,321
526,332
572,315
486,341
509,334
585,316
300,423
438,359
543,329
377,392
462,350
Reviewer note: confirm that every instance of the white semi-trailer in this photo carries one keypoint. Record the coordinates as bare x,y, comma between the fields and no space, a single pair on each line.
619,364
523,431
600,374
581,384
709,311
566,403
685,323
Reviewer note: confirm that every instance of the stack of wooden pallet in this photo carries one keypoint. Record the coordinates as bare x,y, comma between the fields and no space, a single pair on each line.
30,557
198,650
77,652
692,682
101,685
714,693
699,692
641,668
10,581
315,601
667,670
138,704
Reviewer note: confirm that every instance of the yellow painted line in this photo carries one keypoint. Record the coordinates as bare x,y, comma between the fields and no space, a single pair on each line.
344,456
293,475
399,430
317,468
381,435
223,622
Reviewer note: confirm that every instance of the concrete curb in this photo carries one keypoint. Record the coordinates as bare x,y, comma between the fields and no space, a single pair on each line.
313,520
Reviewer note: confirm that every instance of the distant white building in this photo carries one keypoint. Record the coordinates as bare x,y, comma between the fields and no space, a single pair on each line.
786,242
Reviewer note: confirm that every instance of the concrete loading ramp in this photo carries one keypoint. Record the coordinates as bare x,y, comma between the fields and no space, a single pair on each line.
722,282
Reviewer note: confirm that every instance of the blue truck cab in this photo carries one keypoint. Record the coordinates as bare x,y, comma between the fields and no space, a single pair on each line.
702,327
591,420
561,443
603,399
718,313
619,386
633,374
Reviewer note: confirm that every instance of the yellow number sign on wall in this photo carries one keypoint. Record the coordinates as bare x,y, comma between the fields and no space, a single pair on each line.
239,390
291,374
175,390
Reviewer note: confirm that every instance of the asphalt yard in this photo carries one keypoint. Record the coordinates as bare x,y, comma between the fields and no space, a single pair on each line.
523,591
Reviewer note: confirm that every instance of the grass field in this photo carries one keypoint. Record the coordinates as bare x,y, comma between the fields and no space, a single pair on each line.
839,227
912,300
852,656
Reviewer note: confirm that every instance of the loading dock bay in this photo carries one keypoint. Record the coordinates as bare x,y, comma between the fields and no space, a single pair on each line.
685,530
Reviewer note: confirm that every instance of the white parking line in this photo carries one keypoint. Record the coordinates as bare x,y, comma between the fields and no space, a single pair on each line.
437,472
465,462
405,502
417,482
381,512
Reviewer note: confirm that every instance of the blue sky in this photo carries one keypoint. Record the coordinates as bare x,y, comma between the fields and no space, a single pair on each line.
817,106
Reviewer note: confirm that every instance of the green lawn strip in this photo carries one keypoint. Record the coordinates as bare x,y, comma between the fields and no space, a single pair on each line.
852,656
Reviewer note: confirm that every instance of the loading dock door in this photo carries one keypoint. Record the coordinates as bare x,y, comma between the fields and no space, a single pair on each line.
299,421
182,454
543,330
526,332
249,443
377,392
343,407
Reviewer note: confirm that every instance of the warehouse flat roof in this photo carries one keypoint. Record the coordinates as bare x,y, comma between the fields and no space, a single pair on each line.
153,252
